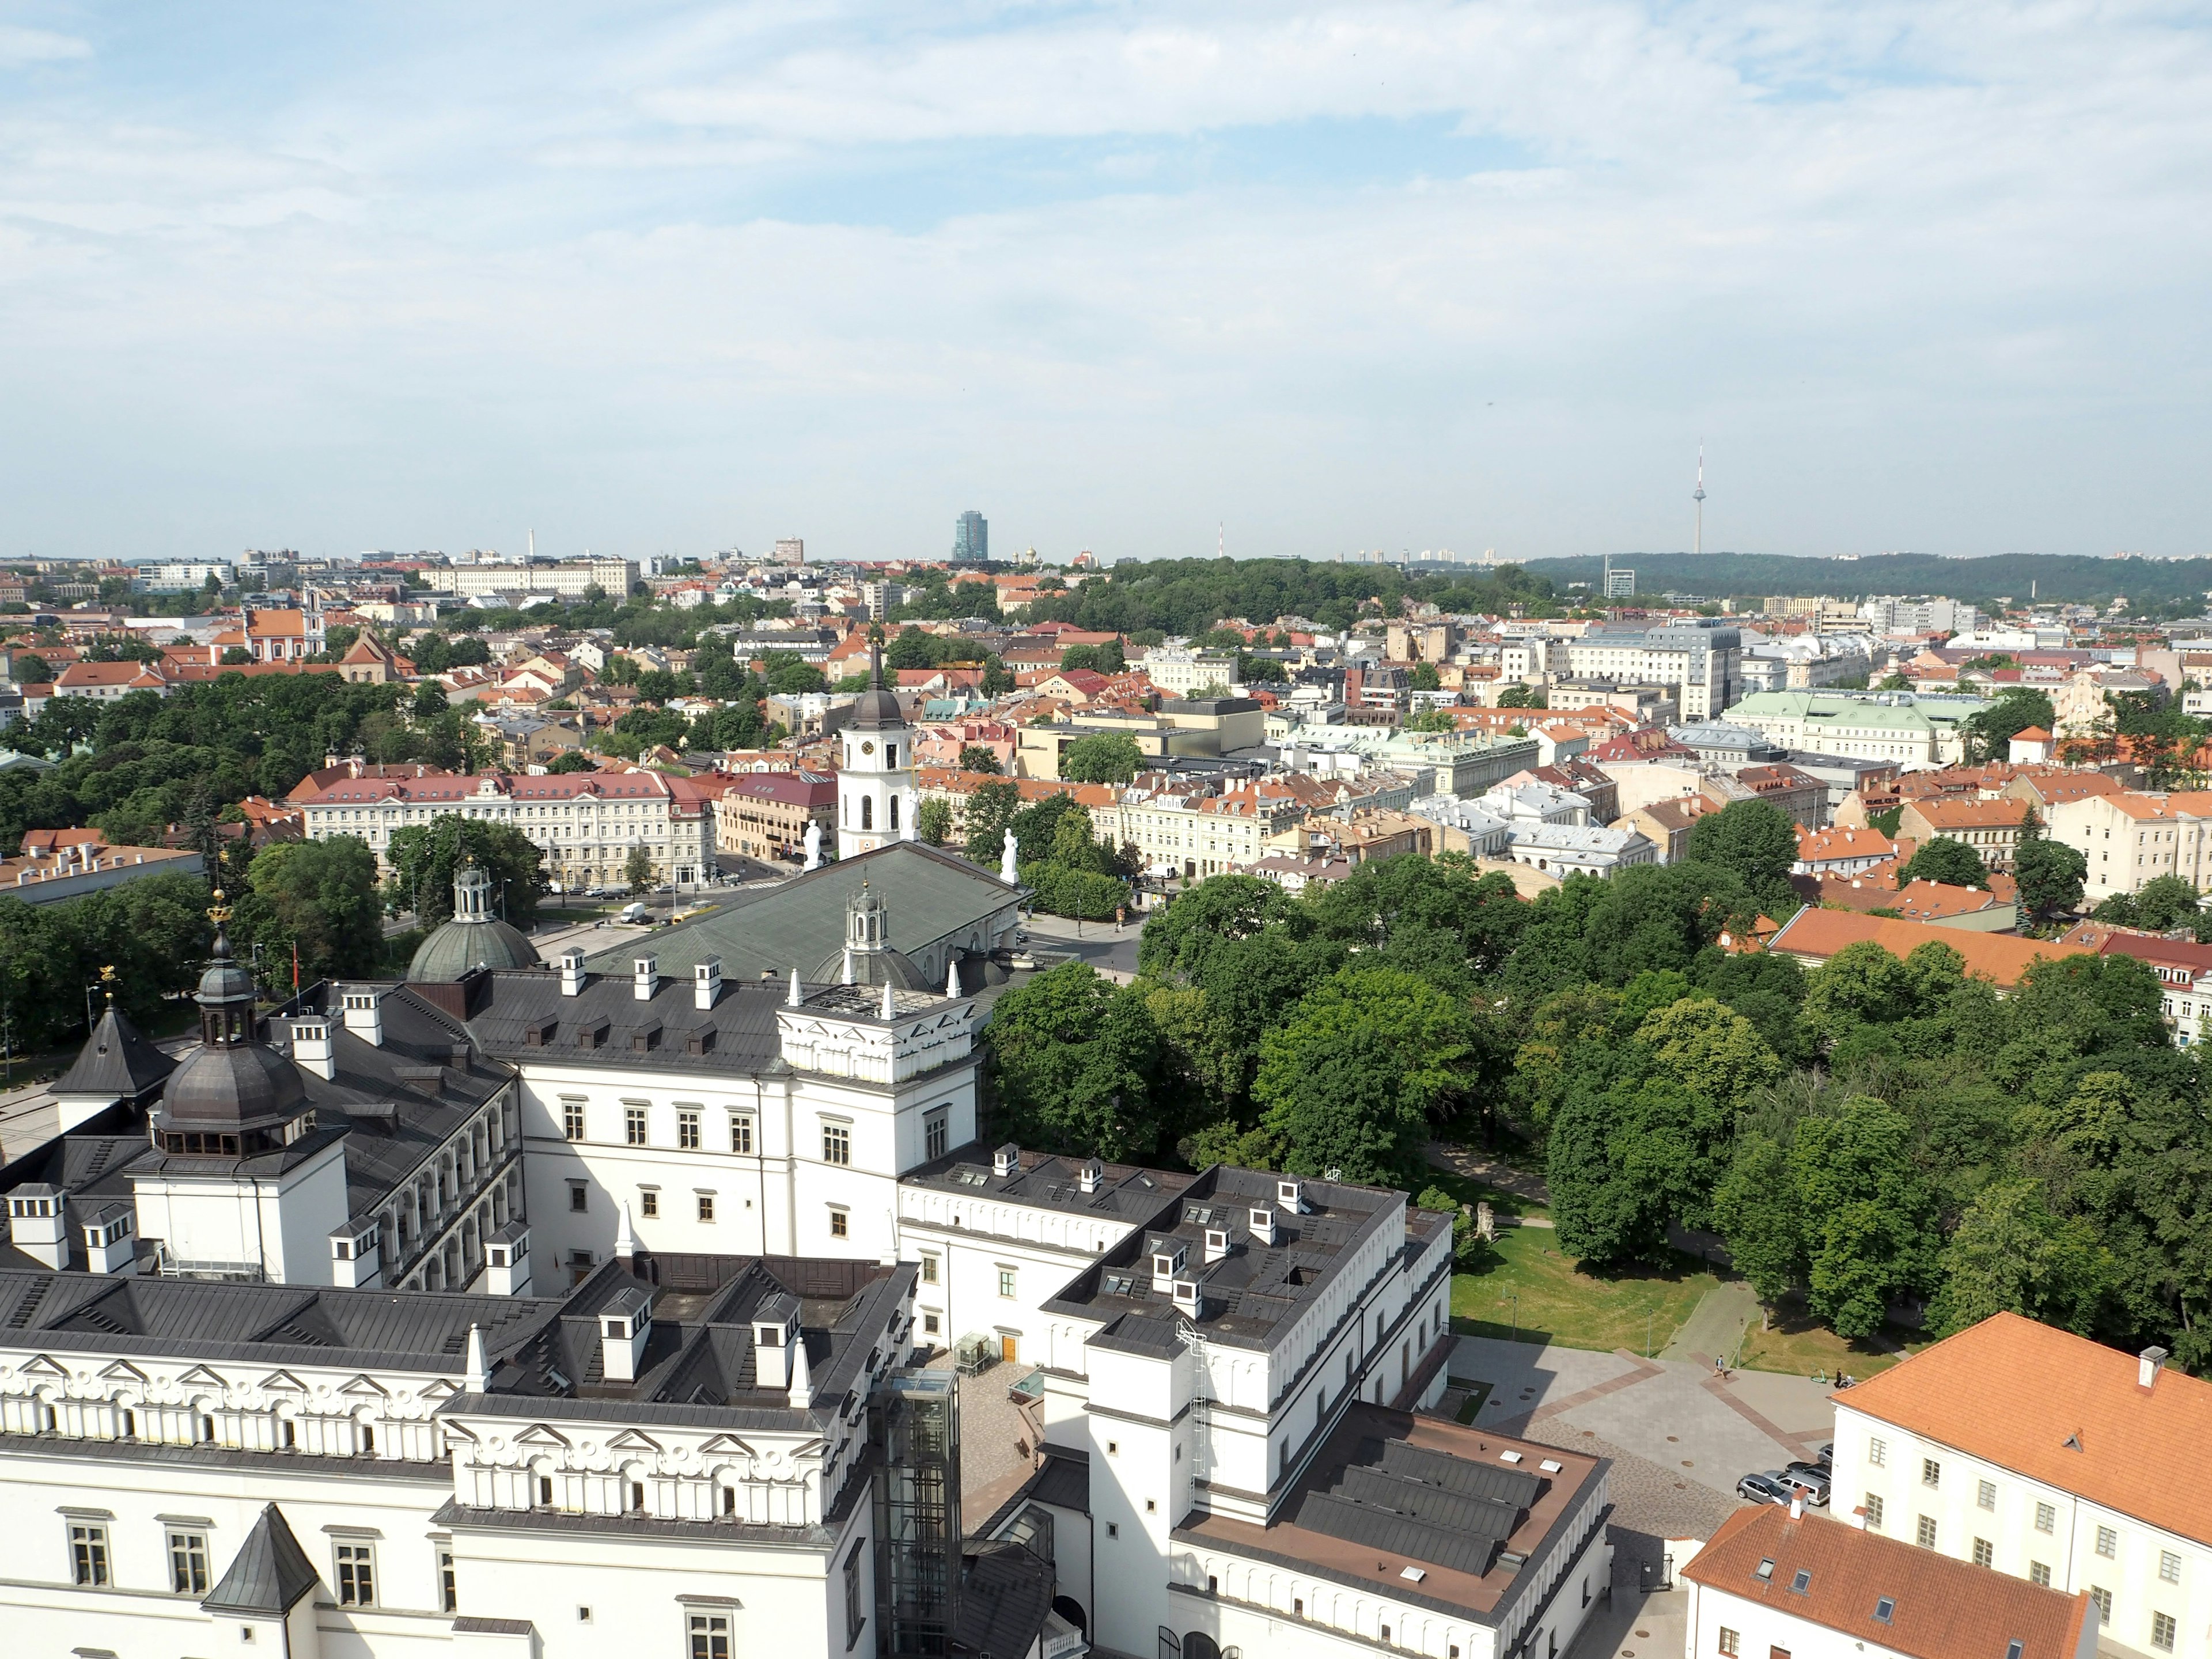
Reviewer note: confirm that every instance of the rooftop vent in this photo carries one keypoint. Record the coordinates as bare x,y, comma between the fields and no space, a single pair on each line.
1290,1196
706,983
1263,1225
1089,1174
572,973
1168,1257
647,978
1005,1160
624,1324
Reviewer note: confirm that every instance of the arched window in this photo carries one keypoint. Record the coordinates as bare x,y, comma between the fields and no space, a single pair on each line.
1198,1645
867,811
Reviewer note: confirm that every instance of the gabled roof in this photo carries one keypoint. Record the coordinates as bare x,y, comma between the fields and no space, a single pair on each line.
270,1573
118,1061
2060,1409
1937,1607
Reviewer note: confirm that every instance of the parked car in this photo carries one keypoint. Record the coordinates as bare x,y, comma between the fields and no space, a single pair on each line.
633,912
1763,1488
1824,1458
1805,1479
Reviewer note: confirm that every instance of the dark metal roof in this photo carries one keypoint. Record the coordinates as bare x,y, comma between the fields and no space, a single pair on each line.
941,898
524,1014
1125,1192
270,1573
117,1060
1257,1292
465,942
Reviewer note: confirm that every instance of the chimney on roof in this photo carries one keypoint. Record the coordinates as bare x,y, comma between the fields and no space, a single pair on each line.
1859,1517
1089,1174
572,973
624,1324
1006,1160
648,977
706,983
1797,1506
2148,1365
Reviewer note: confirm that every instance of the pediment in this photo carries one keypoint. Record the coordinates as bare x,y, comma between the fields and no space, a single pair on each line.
283,1379
201,1376
121,1371
366,1384
633,1440
43,1365
538,1435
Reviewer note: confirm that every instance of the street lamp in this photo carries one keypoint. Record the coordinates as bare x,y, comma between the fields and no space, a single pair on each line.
1515,1298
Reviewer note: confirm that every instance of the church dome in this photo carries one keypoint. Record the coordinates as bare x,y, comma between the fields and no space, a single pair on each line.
877,708
474,938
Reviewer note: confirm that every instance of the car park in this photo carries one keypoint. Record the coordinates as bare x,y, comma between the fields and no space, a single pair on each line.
1804,1479
1765,1488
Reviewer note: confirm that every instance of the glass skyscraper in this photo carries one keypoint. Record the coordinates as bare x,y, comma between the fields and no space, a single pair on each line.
971,539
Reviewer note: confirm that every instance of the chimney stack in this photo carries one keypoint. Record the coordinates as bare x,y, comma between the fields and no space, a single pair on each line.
2148,1365
624,1324
706,982
1089,1174
649,977
1006,1160
572,973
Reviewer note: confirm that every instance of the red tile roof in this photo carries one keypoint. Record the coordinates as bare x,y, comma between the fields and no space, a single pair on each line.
2015,1392
2003,958
1939,1607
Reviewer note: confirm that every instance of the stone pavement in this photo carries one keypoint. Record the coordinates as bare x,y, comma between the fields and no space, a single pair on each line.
998,1441
1675,1415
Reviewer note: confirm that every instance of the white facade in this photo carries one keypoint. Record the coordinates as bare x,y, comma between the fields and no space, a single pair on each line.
1701,662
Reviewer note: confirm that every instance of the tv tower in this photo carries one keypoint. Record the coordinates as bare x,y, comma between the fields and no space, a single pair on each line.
1698,542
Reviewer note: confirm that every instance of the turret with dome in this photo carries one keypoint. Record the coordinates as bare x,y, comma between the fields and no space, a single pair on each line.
866,958
474,938
232,1096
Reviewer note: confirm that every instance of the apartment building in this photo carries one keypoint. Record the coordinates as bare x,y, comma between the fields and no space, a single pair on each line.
1180,672
1991,828
1191,830
2129,838
585,823
764,815
2037,1453
1700,661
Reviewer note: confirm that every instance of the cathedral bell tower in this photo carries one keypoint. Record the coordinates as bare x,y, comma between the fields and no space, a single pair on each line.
876,798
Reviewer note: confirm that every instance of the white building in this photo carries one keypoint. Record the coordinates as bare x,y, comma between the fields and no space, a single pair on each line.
1179,673
1700,658
587,824
2049,1458
752,1200
572,578
1773,1580
1910,729
1565,850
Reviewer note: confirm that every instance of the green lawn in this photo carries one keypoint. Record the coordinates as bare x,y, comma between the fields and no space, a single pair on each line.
1527,1290
1794,1343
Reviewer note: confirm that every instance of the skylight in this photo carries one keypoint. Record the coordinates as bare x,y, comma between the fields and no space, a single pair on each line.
1884,1608
1765,1570
1802,1582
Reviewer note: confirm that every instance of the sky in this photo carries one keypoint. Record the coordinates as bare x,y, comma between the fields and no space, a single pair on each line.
1146,280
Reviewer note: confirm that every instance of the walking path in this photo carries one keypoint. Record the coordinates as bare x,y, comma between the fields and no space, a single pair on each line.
1716,1326
1475,1166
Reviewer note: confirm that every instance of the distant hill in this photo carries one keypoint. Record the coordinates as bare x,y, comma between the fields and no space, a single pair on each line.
2058,578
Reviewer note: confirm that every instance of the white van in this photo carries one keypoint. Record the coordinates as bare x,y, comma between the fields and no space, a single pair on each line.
633,912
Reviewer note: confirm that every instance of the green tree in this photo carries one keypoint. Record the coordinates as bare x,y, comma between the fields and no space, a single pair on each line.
574,760
1521,697
1869,1232
2159,905
975,757
1755,842
2050,874
1947,859
1101,758
1990,734
932,821
1424,677
1432,720
317,895
991,810
637,869
1352,1080
236,656
31,669
2011,1254
1756,1210
1073,1060
998,678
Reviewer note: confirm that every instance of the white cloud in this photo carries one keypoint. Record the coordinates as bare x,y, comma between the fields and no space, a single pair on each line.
1908,269
21,46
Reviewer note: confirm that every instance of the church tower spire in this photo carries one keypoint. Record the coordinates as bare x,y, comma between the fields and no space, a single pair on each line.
876,798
